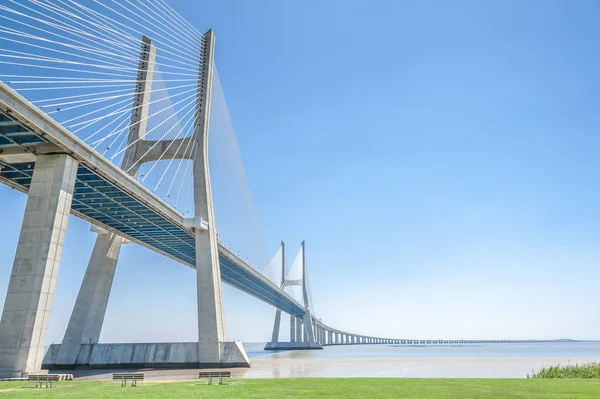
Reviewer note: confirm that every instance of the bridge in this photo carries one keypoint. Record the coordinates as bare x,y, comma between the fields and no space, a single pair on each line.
94,123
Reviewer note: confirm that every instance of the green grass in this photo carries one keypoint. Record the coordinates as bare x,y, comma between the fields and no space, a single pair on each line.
590,370
307,388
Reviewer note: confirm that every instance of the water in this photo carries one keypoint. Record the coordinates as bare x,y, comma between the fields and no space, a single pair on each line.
468,360
588,349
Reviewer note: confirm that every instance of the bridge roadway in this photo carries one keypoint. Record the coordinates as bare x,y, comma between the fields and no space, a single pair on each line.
107,197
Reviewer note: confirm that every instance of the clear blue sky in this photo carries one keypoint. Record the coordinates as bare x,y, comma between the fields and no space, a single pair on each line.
439,158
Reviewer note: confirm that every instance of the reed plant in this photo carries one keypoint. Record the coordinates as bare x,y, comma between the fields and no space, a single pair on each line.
588,370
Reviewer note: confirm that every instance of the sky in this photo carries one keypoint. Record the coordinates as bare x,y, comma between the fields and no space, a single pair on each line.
439,158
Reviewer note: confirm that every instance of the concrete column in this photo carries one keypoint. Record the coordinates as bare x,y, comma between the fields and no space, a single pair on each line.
299,333
321,340
277,323
141,107
275,335
292,328
321,335
28,302
211,319
307,330
88,314
310,337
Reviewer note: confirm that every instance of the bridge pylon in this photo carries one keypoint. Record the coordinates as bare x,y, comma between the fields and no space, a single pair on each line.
80,346
304,330
213,350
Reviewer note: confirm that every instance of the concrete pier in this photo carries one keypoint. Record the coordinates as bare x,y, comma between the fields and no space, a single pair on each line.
299,335
88,314
28,303
292,328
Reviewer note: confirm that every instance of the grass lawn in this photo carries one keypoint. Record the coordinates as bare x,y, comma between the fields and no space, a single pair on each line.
306,388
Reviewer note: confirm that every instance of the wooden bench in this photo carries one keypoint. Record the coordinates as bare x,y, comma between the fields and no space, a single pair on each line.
40,379
209,375
124,377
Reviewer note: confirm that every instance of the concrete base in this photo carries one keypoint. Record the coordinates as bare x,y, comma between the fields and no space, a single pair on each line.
287,346
152,355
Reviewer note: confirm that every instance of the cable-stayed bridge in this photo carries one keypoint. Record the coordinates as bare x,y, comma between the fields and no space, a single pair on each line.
113,111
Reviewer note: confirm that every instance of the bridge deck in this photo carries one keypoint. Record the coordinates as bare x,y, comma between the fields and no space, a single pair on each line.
105,196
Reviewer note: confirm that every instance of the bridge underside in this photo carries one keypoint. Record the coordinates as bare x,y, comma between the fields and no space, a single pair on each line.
108,203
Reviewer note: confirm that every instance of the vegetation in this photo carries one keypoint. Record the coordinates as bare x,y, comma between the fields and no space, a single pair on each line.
591,370
305,388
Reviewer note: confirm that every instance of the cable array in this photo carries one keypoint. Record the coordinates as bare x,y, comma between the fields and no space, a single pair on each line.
273,269
88,63
79,61
236,216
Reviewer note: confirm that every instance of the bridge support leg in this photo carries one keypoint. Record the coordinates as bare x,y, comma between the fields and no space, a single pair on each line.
28,303
299,335
213,350
277,325
88,314
292,328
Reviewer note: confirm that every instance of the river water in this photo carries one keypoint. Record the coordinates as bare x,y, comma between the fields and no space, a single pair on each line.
473,360
409,361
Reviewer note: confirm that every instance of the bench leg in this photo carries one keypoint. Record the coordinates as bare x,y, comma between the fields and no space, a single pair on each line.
134,383
210,381
123,382
220,381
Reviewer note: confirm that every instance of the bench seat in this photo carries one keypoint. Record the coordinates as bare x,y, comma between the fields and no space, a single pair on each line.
124,377
209,375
